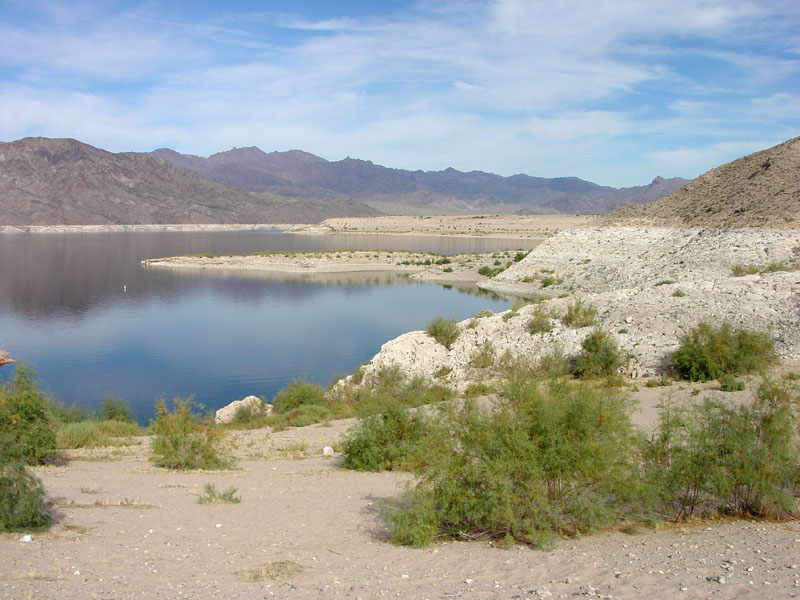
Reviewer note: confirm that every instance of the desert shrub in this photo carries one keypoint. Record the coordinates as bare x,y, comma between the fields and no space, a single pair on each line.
678,294
729,383
183,441
96,434
553,364
444,331
476,390
114,409
296,394
540,322
390,438
580,315
23,504
600,356
519,256
302,416
72,413
660,382
742,270
27,417
483,357
664,282
707,352
557,459
713,458
442,372
211,495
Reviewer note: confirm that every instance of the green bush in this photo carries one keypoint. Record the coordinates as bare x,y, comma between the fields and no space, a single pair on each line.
96,434
729,383
540,322
389,438
483,357
476,390
213,496
302,416
23,505
27,417
296,394
708,353
552,459
115,409
444,331
742,270
580,315
600,356
660,382
183,441
716,459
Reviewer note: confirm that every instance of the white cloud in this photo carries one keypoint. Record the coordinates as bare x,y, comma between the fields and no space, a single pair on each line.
701,159
551,89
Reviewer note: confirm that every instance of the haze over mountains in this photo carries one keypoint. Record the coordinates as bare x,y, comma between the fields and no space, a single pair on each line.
393,191
47,181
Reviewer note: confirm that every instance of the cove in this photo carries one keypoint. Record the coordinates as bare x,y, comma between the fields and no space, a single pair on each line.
82,311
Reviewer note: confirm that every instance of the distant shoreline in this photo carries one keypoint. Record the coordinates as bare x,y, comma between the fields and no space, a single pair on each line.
477,226
145,228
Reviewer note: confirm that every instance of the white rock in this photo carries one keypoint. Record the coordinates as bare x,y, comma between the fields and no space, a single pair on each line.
327,451
227,413
26,538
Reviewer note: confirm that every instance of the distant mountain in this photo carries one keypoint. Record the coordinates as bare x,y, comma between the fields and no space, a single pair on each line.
757,190
297,173
66,182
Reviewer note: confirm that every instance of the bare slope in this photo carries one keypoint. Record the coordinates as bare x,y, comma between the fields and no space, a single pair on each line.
65,182
758,190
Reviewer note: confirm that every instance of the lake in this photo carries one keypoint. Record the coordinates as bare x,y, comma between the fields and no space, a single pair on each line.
81,310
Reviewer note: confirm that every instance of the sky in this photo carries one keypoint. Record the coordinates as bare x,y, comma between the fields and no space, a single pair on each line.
615,92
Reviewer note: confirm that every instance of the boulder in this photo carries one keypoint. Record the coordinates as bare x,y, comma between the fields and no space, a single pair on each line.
227,413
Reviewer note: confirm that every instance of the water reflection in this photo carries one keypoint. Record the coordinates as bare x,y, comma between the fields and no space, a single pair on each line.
43,274
85,314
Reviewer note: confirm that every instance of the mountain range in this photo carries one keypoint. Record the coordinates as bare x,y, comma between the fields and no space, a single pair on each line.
45,181
299,174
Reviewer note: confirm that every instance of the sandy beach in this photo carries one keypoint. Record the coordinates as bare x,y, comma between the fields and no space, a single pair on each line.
306,528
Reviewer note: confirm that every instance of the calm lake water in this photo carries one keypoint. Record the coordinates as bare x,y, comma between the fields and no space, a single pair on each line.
82,311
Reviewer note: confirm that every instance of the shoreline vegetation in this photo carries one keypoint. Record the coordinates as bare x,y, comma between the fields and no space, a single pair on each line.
687,473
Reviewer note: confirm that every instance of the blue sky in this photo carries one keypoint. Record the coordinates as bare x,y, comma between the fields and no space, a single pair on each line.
616,92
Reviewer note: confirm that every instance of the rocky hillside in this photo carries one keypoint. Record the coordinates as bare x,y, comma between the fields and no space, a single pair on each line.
65,182
758,190
649,286
397,191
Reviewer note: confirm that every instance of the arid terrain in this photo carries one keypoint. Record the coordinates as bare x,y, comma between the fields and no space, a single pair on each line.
305,527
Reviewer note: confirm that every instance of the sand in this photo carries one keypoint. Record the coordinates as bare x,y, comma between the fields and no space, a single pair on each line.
306,528
497,226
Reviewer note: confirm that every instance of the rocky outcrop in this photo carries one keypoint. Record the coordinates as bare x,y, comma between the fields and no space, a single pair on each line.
4,360
226,414
648,285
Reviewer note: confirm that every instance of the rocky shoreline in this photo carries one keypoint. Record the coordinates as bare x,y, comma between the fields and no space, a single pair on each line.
648,285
